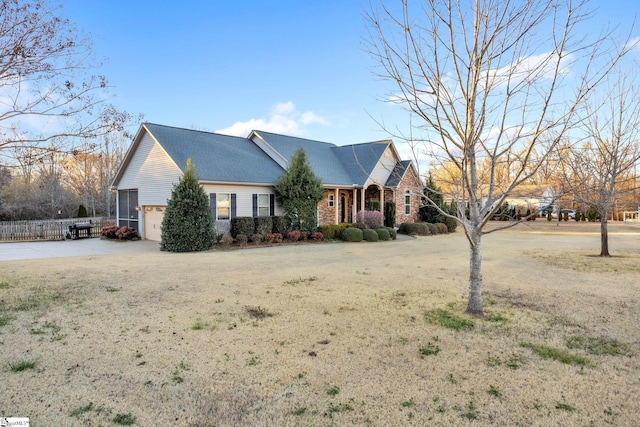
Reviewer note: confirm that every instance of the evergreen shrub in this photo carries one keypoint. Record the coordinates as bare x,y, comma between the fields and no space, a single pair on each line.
263,224
242,239
333,231
187,224
433,229
242,225
352,234
330,231
389,214
369,235
414,228
383,234
299,191
442,228
392,232
280,224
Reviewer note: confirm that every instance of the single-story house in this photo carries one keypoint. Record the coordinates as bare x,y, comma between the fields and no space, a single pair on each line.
239,174
534,198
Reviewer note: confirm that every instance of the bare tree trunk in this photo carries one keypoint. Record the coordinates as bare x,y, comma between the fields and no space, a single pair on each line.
604,237
474,305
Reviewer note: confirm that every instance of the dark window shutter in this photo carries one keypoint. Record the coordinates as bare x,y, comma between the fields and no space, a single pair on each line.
255,205
233,205
272,204
212,205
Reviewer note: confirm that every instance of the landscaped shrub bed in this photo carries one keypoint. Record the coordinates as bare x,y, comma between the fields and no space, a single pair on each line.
263,224
333,231
414,228
383,234
280,225
392,232
442,228
369,235
370,219
422,228
120,233
352,234
433,229
242,225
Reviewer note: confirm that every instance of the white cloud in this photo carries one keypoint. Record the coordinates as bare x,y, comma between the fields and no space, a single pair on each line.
284,118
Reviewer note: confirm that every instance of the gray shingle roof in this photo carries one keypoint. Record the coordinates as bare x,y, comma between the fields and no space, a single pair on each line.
359,160
218,158
222,158
323,160
398,172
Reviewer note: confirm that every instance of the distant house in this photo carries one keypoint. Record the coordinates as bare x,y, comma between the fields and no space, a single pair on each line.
534,198
239,174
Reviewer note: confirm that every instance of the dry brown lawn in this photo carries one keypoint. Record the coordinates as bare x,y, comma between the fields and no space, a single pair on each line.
329,334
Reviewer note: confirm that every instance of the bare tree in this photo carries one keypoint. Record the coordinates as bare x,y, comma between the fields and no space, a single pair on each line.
491,81
47,98
601,170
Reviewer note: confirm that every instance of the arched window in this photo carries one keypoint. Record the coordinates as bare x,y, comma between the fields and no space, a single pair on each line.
407,202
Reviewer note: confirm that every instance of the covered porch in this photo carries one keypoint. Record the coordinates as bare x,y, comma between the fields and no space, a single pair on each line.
341,205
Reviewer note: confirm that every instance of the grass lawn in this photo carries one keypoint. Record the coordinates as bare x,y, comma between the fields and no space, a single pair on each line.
330,334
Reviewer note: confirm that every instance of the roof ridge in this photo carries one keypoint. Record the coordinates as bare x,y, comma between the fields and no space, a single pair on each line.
193,130
293,137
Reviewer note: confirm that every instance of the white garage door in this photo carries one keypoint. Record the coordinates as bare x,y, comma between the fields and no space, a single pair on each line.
152,222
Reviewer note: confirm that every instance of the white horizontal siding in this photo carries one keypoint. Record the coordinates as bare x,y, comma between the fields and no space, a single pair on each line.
244,196
152,172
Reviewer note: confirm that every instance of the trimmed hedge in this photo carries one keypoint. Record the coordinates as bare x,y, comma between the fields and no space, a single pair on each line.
433,229
414,228
280,224
370,235
334,231
442,228
263,224
352,234
383,234
242,225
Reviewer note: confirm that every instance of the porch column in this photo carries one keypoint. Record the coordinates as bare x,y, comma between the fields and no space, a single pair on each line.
336,204
381,207
355,205
362,191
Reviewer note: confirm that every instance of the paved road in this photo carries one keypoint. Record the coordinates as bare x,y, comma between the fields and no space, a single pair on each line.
10,251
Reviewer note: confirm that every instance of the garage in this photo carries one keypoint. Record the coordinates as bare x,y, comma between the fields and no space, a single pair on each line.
152,222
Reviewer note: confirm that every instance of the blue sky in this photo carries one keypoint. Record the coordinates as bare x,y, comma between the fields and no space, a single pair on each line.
292,66
297,67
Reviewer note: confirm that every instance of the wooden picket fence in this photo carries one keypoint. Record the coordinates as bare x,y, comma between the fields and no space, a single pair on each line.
47,229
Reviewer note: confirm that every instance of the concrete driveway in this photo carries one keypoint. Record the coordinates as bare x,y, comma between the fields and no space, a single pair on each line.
11,251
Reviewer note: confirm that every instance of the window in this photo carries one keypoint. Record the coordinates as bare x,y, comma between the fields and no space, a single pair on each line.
263,205
407,202
332,200
223,206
